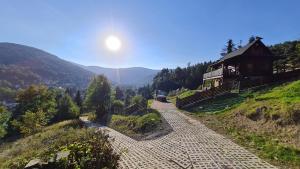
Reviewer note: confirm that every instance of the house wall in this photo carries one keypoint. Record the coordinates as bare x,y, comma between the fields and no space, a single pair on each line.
257,61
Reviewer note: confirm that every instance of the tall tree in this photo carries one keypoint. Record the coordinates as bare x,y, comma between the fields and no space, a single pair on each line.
230,46
31,122
67,109
119,93
5,116
78,98
35,98
98,97
251,39
129,93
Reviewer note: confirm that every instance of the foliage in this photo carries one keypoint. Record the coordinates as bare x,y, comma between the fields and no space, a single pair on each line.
7,93
36,98
31,122
78,98
118,106
92,153
40,145
230,47
5,116
251,39
287,55
146,92
98,97
186,93
119,93
129,93
190,77
136,123
149,103
67,109
138,99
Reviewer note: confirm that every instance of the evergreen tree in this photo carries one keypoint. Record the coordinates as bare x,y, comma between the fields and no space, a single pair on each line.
5,116
251,39
129,93
67,109
230,47
78,98
119,93
98,97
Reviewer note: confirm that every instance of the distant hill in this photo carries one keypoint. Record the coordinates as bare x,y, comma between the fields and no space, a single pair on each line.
22,65
134,76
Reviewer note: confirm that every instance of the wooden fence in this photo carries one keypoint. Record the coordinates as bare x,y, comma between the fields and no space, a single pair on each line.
198,97
135,108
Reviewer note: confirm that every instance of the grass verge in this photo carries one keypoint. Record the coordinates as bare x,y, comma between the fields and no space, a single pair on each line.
267,121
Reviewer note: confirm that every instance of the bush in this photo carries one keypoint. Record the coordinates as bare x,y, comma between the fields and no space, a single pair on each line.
31,122
118,107
67,109
5,116
66,135
94,152
136,123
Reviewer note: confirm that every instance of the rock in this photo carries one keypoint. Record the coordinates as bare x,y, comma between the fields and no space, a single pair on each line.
35,164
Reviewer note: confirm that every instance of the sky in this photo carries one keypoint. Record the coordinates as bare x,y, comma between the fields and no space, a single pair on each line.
154,33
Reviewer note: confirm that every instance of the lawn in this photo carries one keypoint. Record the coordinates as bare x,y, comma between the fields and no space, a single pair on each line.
266,121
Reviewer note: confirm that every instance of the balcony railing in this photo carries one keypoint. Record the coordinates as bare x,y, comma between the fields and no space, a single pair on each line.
213,74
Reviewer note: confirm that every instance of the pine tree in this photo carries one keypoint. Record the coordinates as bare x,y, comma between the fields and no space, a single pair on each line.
230,47
78,98
251,39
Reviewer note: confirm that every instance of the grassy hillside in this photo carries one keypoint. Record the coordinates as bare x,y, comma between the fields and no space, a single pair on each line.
266,121
60,136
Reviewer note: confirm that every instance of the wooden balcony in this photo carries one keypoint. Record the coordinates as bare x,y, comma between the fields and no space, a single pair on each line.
213,74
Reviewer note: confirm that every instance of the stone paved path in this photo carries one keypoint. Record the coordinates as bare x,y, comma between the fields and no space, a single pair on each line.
190,145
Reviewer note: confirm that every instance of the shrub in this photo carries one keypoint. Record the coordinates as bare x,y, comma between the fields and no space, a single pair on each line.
5,115
67,135
31,122
67,109
94,152
118,107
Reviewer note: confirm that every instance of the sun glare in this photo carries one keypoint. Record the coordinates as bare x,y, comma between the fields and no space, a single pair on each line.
113,43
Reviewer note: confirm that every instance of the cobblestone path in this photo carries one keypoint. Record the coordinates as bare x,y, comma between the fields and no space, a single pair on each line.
190,145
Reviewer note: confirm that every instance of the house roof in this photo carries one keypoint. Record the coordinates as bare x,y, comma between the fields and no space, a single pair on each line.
237,52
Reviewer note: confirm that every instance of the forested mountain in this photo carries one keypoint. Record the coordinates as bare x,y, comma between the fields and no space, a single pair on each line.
286,58
287,55
189,77
134,76
22,65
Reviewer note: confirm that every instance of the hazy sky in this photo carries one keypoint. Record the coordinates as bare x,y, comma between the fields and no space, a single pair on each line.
154,33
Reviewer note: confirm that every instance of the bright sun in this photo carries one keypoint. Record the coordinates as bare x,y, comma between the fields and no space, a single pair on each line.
113,43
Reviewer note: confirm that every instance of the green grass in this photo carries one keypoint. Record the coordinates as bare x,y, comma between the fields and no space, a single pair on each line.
133,124
219,104
186,93
18,153
276,109
267,147
149,103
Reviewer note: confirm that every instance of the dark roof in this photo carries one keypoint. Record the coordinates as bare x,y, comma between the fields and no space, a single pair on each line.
237,52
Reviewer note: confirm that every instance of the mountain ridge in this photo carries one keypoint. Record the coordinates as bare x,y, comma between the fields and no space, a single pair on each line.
22,65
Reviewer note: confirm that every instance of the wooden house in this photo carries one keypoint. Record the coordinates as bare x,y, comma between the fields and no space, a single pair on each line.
247,66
